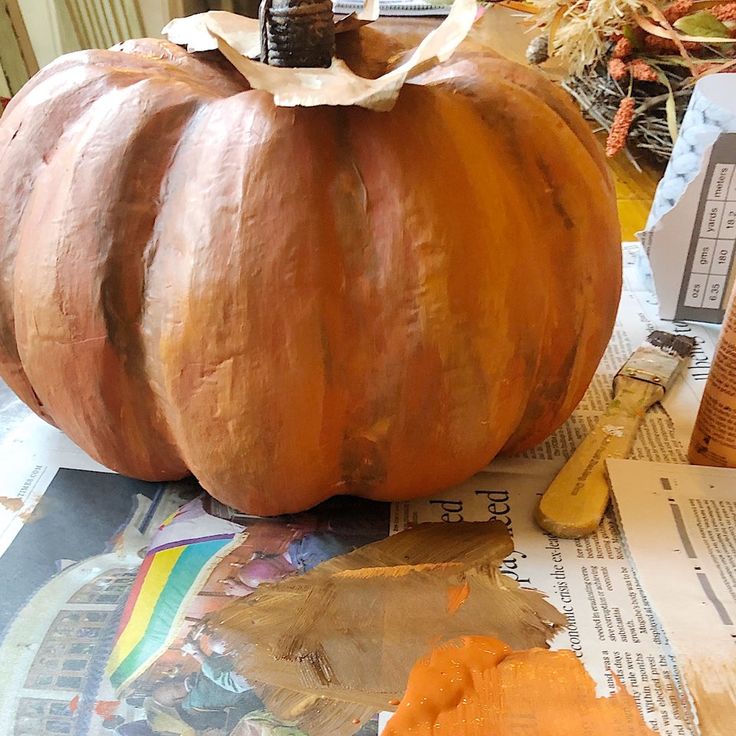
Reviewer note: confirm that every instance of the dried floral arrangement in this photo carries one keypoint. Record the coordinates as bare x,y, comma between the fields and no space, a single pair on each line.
633,63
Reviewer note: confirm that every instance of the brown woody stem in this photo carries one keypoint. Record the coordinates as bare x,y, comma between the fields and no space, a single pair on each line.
297,33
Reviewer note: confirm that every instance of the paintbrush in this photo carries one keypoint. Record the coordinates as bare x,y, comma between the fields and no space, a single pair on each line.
575,502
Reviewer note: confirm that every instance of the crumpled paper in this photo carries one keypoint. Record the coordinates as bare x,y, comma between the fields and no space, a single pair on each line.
242,33
238,39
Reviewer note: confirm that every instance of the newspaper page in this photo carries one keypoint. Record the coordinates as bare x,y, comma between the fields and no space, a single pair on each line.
105,586
611,625
693,510
395,7
31,454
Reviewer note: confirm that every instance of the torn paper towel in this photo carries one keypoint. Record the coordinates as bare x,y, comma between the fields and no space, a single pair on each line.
691,231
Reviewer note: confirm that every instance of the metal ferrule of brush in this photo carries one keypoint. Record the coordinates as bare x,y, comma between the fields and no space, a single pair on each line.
651,364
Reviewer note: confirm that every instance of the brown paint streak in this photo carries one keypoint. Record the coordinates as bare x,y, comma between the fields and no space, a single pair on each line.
710,683
14,505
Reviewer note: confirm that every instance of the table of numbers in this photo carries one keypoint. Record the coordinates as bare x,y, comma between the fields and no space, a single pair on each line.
715,242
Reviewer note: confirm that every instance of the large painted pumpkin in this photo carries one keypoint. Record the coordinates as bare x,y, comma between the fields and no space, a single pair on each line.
291,303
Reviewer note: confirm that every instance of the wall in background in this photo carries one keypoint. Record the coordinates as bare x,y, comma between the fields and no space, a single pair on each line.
4,91
17,57
49,27
52,29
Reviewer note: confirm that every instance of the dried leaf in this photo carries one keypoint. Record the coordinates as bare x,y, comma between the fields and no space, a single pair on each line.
664,30
670,33
670,106
628,33
702,23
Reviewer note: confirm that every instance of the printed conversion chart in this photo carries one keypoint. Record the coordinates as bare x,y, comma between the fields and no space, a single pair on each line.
705,288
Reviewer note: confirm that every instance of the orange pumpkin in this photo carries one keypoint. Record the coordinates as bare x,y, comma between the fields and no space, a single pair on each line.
291,303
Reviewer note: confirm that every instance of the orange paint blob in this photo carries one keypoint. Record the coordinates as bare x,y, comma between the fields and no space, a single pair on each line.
456,596
478,686
106,708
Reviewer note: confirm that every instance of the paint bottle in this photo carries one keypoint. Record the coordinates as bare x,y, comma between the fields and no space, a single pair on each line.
714,437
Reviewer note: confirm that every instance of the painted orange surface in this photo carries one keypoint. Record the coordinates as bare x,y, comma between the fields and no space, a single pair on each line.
297,303
456,596
482,687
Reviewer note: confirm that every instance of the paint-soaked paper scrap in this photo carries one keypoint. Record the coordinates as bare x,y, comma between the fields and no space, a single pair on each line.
336,644
478,686
241,33
337,85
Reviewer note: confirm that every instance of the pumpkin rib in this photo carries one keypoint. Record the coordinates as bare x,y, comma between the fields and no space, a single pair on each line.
225,351
534,81
346,207
464,68
565,176
526,117
108,64
28,140
371,292
79,276
210,69
440,167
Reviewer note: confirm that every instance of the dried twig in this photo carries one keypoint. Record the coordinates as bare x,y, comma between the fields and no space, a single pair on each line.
599,96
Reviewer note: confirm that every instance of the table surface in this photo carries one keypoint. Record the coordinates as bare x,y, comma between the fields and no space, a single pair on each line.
12,411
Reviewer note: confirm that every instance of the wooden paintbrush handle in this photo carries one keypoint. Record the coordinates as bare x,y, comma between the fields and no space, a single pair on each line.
575,502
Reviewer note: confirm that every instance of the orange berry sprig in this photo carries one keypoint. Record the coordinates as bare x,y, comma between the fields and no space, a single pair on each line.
619,132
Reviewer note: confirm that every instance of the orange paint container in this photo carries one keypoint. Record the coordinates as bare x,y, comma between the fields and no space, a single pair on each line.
713,441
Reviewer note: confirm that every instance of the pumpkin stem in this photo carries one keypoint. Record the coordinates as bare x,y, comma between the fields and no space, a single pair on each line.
297,33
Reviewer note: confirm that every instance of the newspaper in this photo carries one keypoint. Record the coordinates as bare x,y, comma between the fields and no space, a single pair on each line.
693,510
84,554
395,7
105,586
611,625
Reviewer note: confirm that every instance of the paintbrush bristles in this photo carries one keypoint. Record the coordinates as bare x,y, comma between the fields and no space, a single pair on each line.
679,345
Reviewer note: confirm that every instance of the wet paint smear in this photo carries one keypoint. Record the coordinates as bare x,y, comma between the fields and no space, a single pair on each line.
456,596
478,686
338,643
